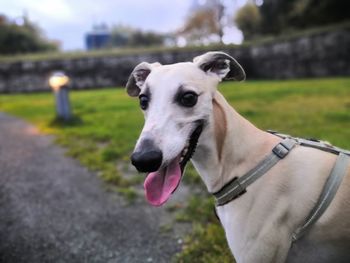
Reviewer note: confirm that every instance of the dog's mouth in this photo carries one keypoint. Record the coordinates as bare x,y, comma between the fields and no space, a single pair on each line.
161,184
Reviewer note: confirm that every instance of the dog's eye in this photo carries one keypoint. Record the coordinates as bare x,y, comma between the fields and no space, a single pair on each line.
143,101
188,99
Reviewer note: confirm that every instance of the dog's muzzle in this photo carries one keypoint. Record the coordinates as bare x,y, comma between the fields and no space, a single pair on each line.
148,157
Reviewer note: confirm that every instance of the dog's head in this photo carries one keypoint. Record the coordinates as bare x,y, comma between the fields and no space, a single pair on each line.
177,104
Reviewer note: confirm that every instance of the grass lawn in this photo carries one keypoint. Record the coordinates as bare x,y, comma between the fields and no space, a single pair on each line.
108,122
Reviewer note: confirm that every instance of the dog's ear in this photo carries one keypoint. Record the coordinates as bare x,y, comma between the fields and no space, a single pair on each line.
221,64
138,77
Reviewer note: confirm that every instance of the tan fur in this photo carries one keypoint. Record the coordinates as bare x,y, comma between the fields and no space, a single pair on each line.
220,126
259,225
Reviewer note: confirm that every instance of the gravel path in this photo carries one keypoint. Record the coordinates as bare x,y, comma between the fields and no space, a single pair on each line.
54,210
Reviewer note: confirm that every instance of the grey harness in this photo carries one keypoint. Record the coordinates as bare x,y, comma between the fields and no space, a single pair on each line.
237,186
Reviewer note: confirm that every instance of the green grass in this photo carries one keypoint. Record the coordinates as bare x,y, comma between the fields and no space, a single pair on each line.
106,126
108,123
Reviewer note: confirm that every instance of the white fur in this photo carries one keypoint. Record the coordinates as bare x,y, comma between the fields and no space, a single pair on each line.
260,223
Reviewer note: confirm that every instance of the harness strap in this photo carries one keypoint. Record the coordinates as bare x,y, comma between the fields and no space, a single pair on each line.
237,186
322,146
329,190
313,143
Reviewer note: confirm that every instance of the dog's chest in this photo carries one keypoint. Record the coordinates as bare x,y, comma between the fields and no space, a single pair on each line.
242,231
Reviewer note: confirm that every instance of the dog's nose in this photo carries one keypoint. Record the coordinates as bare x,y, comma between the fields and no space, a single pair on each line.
147,160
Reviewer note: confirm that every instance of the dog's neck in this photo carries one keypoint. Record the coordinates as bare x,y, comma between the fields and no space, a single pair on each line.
229,146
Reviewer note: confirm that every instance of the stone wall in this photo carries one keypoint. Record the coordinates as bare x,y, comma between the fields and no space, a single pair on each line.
317,55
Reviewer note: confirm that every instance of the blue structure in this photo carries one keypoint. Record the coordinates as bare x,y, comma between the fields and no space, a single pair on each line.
98,38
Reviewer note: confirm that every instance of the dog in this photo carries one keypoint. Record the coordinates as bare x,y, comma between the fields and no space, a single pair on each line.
186,118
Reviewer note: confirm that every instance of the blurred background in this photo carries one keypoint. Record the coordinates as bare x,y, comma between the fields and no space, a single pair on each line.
296,55
34,26
271,38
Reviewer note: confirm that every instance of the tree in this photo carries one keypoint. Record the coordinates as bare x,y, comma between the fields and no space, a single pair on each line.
248,20
120,35
205,23
24,38
276,17
219,10
281,15
308,13
145,39
123,36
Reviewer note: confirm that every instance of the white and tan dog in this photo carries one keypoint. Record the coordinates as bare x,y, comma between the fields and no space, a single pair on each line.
184,113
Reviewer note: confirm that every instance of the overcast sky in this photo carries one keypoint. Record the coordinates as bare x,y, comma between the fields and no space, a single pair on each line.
68,20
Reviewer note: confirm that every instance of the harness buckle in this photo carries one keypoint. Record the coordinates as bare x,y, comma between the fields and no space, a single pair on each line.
280,150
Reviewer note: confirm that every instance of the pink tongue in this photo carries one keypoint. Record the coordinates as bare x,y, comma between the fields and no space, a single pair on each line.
160,185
